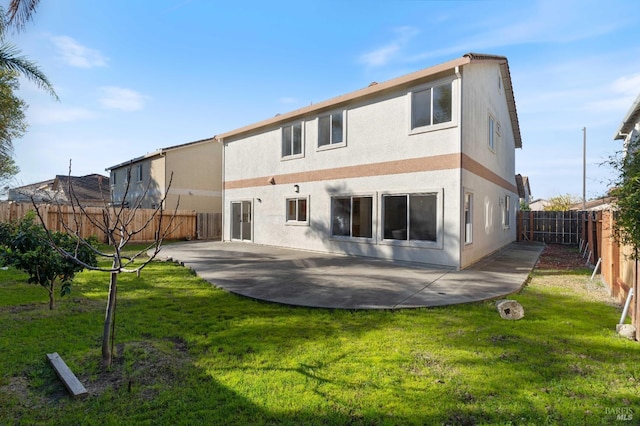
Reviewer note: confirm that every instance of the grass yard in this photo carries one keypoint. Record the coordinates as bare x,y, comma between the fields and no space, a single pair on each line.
188,353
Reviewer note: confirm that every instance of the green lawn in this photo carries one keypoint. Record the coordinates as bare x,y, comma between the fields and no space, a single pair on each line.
188,353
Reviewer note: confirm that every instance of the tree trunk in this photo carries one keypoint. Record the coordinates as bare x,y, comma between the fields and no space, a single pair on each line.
52,296
107,354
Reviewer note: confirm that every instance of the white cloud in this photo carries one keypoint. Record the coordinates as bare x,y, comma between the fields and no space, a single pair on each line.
384,54
123,99
549,21
58,114
77,55
627,84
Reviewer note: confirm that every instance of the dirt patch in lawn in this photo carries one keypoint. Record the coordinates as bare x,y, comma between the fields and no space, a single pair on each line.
557,256
564,269
139,367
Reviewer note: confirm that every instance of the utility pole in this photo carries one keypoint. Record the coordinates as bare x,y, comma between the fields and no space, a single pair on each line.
584,168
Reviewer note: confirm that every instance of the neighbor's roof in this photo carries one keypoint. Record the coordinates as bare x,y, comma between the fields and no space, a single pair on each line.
93,187
522,182
630,120
376,88
158,152
89,187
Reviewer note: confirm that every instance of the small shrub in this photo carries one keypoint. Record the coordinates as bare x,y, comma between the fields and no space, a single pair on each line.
26,246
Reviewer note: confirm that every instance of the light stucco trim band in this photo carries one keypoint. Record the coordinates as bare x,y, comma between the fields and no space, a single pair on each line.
414,165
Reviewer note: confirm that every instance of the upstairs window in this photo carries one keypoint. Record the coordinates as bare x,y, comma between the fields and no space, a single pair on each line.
331,129
139,172
292,140
114,179
431,106
494,133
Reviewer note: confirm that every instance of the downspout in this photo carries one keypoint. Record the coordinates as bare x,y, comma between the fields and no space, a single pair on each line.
461,191
163,154
223,205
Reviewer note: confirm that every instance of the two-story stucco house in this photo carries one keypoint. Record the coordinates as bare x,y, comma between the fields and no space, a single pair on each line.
420,168
193,168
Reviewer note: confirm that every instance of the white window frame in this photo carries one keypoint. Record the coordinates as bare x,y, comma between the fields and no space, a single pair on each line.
493,133
467,218
438,244
297,221
373,217
332,145
506,212
302,140
433,127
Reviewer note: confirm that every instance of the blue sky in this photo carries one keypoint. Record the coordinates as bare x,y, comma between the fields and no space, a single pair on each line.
135,76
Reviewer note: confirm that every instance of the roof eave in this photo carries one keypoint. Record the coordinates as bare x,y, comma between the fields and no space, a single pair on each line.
159,152
343,99
391,84
629,121
508,90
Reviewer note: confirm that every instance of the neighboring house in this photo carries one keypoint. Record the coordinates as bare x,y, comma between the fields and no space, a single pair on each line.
524,190
629,130
602,203
90,190
193,169
420,168
538,204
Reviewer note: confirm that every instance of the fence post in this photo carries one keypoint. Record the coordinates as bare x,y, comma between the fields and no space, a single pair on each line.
530,225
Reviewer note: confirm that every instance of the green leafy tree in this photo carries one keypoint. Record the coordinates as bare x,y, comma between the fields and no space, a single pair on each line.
20,12
561,202
11,59
12,65
627,194
27,247
12,122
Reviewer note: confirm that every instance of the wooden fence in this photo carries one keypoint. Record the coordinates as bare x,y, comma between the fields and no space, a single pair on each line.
555,227
54,216
209,226
591,232
619,269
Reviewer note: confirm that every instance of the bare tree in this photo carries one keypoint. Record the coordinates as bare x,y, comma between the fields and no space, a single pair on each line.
116,223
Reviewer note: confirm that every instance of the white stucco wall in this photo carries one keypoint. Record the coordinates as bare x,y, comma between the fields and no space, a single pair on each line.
379,143
377,135
270,227
483,96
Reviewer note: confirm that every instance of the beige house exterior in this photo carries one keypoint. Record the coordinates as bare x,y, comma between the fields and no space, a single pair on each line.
420,168
193,169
